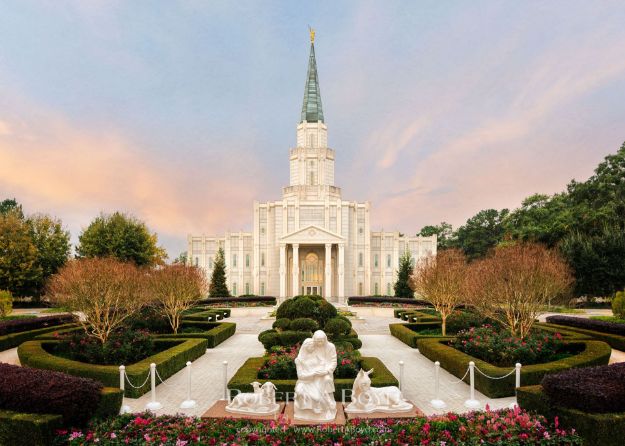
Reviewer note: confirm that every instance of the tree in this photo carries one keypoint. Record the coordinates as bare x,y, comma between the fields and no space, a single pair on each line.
218,287
598,261
52,244
444,233
11,205
123,237
176,288
19,266
481,232
440,280
514,283
182,258
402,286
104,291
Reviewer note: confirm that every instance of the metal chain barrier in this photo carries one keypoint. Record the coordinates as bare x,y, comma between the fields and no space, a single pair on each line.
494,377
161,379
132,385
461,379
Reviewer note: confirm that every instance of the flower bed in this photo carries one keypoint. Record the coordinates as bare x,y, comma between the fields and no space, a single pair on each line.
249,372
170,360
615,341
14,339
588,324
242,301
589,353
214,332
29,324
605,429
503,428
385,301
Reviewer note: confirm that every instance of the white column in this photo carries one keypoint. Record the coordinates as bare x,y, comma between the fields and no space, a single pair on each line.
328,268
282,270
341,290
295,278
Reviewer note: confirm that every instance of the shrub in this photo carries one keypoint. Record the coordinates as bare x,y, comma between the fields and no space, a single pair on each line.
269,339
149,318
281,324
304,324
121,347
593,389
326,312
618,305
304,307
464,320
6,303
285,309
41,391
32,429
500,348
355,343
18,325
588,324
343,345
336,327
280,364
265,332
290,337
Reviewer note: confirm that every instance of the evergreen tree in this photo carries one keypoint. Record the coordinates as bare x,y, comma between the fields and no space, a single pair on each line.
402,286
218,287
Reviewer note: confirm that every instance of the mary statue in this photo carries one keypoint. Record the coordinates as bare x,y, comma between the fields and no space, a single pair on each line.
314,390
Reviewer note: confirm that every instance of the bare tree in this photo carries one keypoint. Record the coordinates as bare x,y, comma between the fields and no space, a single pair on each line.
440,281
176,288
106,292
515,281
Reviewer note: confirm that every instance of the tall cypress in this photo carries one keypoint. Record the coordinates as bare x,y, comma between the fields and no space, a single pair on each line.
402,286
218,287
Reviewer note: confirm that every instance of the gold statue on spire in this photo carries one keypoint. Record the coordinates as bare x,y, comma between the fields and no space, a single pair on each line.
312,34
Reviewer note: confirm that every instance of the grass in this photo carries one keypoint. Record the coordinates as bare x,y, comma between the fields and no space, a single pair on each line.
614,319
55,310
17,316
563,310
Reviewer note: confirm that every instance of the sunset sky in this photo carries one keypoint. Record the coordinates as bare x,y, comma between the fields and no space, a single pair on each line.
182,113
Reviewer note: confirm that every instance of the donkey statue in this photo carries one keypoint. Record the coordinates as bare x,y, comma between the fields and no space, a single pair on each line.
367,399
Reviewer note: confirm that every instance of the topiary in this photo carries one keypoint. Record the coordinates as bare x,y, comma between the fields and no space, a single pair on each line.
269,340
354,342
345,319
263,333
285,310
618,304
290,338
326,312
336,327
282,324
345,346
304,324
305,307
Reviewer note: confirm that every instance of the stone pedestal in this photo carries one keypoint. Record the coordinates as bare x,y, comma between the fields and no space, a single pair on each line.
415,412
218,410
290,409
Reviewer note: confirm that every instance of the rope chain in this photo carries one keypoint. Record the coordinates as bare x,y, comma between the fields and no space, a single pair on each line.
132,385
161,379
495,377
461,379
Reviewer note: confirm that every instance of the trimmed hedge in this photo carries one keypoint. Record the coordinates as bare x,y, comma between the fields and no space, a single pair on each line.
605,429
588,324
391,300
203,316
27,428
214,332
409,333
615,341
168,362
14,339
591,353
19,325
226,300
247,374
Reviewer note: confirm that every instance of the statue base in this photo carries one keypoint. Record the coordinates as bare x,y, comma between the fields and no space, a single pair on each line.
218,410
413,412
289,412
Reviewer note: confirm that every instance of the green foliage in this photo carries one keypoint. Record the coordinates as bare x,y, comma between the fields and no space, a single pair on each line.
11,206
19,260
409,334
182,258
304,324
281,324
618,304
13,340
613,340
28,429
6,303
445,236
336,327
353,342
326,312
480,233
598,261
402,285
218,286
123,237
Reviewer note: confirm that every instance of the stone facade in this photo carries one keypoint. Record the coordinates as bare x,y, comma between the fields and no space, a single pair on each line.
312,241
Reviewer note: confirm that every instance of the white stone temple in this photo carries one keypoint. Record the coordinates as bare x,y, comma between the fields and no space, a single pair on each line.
311,241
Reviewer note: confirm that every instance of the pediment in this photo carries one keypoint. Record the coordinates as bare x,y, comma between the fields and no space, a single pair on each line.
312,234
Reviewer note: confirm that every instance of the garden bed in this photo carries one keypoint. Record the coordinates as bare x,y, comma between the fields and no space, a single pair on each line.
240,301
248,373
409,333
214,332
373,300
614,340
456,362
15,339
169,361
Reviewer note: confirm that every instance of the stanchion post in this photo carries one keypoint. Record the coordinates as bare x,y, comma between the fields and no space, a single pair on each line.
401,375
153,404
226,381
472,403
517,382
122,386
189,403
437,403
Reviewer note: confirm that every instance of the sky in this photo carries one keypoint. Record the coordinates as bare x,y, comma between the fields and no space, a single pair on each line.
182,113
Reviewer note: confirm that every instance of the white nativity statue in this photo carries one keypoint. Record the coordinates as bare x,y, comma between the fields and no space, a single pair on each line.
314,389
261,402
367,399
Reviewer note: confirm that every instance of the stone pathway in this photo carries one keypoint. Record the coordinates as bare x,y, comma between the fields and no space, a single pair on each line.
10,356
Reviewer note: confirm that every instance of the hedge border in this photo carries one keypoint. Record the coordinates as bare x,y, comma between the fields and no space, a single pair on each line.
218,333
605,429
224,300
391,300
615,341
456,363
404,333
168,362
15,339
247,374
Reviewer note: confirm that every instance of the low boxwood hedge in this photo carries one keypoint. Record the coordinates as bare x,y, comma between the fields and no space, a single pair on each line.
28,428
392,300
615,341
588,324
247,374
591,353
409,333
14,339
214,332
605,429
29,324
227,300
168,362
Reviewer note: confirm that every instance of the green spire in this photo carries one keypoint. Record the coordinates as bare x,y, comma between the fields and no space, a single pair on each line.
312,110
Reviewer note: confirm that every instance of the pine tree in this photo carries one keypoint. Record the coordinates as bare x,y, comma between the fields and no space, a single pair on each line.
402,286
218,287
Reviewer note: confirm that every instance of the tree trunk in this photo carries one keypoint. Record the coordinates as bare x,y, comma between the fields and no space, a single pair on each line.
444,324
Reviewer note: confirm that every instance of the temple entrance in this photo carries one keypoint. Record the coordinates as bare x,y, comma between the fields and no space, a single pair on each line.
313,290
312,274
